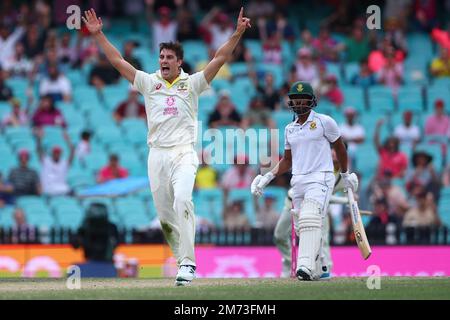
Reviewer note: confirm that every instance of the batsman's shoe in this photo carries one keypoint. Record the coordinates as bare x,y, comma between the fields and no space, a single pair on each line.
304,274
326,274
185,275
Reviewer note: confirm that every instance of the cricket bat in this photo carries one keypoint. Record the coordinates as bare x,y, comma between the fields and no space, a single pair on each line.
358,227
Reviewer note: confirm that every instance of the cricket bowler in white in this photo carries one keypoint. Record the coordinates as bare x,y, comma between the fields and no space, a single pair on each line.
171,103
308,142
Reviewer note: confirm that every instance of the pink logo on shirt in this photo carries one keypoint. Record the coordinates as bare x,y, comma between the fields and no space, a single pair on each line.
170,101
158,86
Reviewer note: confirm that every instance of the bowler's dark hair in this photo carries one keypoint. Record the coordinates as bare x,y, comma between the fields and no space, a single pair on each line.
174,46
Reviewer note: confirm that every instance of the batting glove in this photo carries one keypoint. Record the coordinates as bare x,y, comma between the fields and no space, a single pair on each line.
260,182
350,181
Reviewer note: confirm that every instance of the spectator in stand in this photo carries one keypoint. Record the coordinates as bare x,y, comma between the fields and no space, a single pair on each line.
365,77
239,176
304,68
396,35
225,113
258,115
25,181
420,219
391,74
266,215
17,117
423,173
22,232
187,27
271,47
281,25
391,158
6,190
103,73
164,29
381,218
270,95
206,177
56,85
54,168
130,108
217,28
8,41
383,188
84,146
440,66
342,18
326,47
242,54
446,176
112,170
234,217
128,54
6,92
18,64
65,52
307,40
259,8
378,58
47,114
437,124
353,133
407,133
34,41
331,91
424,15
87,49
356,47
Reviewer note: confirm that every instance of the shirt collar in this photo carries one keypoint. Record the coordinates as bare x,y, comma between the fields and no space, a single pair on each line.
310,118
183,76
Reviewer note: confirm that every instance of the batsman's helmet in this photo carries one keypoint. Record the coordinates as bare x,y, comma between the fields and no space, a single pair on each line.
300,92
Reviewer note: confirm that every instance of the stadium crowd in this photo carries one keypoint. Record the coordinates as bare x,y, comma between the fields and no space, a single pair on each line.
68,121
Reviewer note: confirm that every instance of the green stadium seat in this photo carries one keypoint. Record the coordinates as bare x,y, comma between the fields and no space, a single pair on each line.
410,98
108,134
208,203
25,202
39,217
354,96
255,48
132,212
69,217
95,160
79,178
381,99
6,216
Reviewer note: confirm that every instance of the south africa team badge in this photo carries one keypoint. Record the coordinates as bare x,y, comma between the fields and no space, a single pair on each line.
312,126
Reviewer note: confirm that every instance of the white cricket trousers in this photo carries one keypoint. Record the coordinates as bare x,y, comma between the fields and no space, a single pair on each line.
171,172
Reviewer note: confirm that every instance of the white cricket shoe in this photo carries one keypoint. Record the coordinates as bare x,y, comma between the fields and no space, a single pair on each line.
304,274
186,273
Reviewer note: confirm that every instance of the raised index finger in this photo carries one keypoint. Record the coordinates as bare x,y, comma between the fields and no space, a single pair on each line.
241,13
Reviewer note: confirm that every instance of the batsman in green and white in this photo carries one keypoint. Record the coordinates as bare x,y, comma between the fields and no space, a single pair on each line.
309,140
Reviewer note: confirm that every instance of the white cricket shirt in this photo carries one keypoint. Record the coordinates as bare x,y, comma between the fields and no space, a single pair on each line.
171,109
310,143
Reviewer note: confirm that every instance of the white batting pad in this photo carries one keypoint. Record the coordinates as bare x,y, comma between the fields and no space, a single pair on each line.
310,239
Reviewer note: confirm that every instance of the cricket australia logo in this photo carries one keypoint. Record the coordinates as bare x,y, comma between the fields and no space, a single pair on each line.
182,86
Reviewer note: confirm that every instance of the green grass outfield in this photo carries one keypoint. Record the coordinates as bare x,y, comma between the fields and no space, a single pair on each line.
227,289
